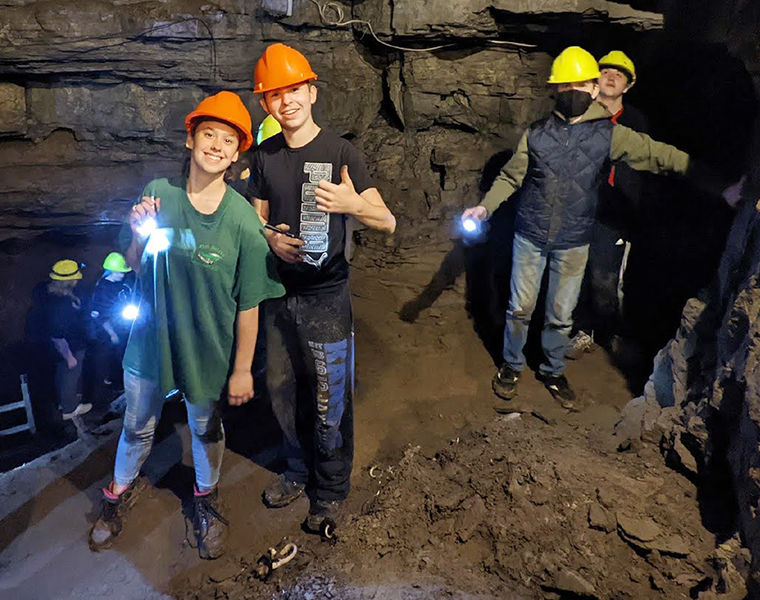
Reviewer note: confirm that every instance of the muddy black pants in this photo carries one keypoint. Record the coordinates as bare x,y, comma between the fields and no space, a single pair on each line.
598,309
310,363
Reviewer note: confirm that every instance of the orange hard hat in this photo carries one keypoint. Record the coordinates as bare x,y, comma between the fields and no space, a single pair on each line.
281,66
228,107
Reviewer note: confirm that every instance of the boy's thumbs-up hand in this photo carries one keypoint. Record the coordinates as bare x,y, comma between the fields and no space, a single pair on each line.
338,198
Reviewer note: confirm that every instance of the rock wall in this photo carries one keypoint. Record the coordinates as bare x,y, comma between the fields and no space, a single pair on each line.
702,402
93,93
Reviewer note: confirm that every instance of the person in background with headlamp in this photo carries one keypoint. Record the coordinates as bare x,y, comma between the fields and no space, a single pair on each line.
57,326
598,315
203,267
110,318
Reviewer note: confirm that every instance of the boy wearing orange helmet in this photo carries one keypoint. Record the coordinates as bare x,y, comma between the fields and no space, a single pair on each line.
308,182
203,266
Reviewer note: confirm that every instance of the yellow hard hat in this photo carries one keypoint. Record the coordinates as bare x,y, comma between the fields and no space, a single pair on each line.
65,270
619,60
269,127
574,65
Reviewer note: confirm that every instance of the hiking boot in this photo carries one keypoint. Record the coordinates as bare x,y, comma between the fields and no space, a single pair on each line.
209,526
560,389
112,511
282,492
580,344
81,409
320,513
504,383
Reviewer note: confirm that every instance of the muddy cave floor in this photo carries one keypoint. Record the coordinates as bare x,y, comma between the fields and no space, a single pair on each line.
464,502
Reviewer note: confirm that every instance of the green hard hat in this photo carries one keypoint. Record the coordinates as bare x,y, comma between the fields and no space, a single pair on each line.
116,262
269,127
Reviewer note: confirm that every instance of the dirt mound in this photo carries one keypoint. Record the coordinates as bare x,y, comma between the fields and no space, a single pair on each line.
518,509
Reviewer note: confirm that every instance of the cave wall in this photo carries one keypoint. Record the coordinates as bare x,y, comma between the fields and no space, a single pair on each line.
93,93
702,402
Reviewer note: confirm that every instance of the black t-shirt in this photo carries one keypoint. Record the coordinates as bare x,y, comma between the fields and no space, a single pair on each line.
286,178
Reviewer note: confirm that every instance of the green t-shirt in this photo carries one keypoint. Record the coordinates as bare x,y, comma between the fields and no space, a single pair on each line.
214,267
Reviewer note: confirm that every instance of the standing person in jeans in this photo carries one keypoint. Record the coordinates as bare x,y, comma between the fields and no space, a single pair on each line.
202,271
58,323
308,182
598,314
556,171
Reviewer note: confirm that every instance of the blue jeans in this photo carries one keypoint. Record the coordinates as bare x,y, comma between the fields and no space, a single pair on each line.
144,405
566,268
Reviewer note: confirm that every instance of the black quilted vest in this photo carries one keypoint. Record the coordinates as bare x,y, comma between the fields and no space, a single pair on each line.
559,193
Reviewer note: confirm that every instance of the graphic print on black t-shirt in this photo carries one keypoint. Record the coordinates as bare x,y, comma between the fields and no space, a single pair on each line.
287,178
314,224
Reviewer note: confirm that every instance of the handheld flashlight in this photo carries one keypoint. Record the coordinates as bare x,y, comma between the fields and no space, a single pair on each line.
470,225
147,227
158,242
130,312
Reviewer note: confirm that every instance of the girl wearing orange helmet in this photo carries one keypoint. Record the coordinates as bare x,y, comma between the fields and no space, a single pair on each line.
203,266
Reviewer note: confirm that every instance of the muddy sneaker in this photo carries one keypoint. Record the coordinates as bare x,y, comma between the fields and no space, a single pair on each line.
581,343
560,389
504,383
81,409
321,513
209,526
112,512
282,492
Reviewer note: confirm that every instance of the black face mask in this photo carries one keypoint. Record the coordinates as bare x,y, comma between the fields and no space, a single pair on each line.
573,103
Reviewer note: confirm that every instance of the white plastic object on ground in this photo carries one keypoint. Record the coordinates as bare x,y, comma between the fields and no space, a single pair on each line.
287,554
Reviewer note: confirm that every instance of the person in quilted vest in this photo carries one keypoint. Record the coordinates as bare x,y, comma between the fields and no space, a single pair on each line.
556,172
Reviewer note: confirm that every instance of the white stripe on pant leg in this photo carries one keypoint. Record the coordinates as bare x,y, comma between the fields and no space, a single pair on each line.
621,275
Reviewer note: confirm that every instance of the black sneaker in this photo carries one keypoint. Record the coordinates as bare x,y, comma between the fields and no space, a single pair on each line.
560,389
282,492
504,383
323,517
209,526
112,511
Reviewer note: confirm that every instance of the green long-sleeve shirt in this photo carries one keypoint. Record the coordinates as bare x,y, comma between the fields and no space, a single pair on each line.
639,150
